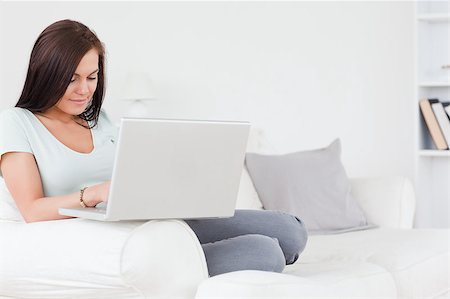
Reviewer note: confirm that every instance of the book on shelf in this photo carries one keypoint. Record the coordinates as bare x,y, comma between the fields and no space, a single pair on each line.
432,123
447,108
442,119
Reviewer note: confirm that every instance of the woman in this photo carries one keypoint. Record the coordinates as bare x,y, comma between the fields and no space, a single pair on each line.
57,150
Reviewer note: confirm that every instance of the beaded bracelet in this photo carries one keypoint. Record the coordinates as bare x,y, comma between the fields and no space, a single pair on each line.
82,203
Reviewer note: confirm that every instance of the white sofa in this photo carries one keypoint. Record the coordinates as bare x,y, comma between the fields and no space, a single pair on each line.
163,259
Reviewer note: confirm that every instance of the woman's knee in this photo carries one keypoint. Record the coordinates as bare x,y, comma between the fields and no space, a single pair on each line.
268,252
295,238
288,229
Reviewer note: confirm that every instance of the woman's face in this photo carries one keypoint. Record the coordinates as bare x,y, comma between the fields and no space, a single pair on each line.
82,85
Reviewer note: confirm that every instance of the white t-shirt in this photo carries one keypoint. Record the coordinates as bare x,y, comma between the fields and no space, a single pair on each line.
63,170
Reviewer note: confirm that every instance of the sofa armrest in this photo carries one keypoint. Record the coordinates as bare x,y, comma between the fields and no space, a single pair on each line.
164,259
386,201
79,258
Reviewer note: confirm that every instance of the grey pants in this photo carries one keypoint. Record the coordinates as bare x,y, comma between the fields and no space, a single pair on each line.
251,240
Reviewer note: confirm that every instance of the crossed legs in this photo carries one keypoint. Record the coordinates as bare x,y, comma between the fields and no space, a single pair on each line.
251,240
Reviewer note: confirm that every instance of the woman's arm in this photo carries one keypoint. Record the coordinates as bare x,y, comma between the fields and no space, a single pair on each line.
23,181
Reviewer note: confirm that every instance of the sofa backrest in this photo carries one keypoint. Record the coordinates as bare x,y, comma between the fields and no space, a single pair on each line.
386,201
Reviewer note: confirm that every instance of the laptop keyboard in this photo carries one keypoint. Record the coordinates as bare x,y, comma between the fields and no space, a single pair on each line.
98,209
101,206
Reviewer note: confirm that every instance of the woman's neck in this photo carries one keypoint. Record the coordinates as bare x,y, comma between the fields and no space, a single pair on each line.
57,114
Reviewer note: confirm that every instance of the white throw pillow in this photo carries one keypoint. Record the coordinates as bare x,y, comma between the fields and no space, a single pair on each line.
8,207
247,196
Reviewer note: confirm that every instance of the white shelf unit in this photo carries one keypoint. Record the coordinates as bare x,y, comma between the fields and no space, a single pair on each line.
432,166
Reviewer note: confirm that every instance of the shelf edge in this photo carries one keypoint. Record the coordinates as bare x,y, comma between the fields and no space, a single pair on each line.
434,153
434,17
434,84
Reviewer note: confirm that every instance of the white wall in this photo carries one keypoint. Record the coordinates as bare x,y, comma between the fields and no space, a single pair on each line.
305,72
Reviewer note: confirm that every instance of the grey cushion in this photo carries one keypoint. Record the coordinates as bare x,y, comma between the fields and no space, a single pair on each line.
311,185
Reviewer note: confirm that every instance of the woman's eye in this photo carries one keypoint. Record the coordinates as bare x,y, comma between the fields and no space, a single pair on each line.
89,78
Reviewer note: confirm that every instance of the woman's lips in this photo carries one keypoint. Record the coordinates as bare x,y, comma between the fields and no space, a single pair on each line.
79,101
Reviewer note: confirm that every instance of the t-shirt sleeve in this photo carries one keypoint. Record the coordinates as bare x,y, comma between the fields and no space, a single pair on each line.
13,137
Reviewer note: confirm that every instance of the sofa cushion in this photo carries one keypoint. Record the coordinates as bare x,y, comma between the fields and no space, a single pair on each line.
347,281
312,185
418,260
259,284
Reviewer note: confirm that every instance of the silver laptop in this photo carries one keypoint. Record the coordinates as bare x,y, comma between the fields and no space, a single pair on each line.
173,169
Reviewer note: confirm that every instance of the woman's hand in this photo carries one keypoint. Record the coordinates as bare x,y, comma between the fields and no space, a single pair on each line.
96,194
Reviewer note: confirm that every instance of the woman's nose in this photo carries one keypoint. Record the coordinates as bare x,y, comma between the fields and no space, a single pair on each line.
83,87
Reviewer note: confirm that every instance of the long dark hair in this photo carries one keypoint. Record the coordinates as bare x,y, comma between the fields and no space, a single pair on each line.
55,56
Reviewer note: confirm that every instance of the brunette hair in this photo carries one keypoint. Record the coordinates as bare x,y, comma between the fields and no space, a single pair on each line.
55,56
